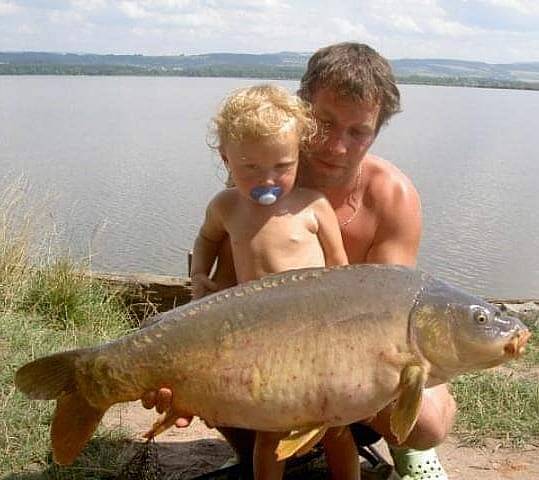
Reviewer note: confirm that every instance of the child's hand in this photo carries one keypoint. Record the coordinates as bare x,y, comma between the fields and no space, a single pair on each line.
202,285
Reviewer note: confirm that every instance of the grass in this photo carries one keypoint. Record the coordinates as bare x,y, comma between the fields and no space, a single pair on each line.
46,305
503,403
24,426
497,406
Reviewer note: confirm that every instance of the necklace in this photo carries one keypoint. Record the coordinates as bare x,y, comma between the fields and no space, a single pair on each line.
352,201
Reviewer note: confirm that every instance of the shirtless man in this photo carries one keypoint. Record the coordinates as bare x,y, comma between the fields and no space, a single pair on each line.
353,93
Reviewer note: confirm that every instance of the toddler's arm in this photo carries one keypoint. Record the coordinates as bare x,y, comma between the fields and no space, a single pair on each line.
209,238
329,234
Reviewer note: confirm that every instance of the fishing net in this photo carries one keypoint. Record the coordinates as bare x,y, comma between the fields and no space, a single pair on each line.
144,465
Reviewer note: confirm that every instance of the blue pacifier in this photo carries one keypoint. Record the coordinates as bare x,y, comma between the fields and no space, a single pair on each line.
266,195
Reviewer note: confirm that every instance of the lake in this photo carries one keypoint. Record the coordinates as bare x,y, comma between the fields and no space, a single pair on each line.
127,162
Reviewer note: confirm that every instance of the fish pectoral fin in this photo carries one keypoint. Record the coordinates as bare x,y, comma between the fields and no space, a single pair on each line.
300,442
74,423
406,409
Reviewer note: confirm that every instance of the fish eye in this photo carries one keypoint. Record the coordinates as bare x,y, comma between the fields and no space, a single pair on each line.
480,317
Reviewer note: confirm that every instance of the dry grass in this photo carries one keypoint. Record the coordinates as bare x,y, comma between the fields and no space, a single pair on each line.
46,305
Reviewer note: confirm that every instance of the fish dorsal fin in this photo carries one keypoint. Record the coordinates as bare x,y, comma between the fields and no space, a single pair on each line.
406,409
300,441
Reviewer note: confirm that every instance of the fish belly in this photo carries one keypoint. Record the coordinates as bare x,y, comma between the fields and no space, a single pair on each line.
292,376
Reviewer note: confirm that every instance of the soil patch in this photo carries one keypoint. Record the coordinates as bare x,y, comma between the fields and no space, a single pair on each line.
195,450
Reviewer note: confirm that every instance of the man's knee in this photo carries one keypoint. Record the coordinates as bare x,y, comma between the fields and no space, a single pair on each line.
436,417
435,420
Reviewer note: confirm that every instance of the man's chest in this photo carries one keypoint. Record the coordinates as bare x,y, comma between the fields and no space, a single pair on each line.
358,237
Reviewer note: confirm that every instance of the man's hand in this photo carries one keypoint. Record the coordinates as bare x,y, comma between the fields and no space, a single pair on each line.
162,401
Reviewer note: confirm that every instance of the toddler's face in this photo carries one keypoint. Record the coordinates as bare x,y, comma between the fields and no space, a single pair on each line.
265,163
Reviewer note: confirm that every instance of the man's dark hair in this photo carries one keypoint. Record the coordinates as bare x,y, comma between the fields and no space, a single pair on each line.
356,71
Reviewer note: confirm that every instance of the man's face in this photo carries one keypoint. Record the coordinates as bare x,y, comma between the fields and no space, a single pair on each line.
347,130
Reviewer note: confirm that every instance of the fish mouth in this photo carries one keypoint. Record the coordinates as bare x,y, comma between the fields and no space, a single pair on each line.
517,345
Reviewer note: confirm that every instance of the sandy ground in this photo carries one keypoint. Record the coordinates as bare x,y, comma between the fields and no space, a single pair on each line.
195,450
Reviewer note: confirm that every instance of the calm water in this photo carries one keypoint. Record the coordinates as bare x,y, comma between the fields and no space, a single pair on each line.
128,163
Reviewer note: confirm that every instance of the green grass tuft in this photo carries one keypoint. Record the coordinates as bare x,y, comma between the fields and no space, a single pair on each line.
46,305
24,442
64,297
502,403
497,405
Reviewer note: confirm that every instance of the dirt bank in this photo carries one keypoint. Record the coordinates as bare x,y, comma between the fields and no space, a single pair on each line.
192,451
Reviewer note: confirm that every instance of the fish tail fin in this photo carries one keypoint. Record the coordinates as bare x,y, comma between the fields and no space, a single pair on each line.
49,377
74,423
75,420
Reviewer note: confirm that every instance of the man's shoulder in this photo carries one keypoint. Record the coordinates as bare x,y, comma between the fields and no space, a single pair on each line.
388,189
383,170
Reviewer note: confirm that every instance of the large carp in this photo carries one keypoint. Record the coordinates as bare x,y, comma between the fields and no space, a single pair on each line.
295,352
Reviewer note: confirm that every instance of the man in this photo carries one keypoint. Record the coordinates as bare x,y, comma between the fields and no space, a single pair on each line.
353,93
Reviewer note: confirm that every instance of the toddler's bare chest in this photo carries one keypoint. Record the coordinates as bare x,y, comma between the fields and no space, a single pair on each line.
274,232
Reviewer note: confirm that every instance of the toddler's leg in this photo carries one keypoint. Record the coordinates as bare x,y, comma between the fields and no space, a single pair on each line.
243,443
266,466
341,454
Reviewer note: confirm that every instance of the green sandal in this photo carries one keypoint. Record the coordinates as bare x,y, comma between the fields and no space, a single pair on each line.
417,464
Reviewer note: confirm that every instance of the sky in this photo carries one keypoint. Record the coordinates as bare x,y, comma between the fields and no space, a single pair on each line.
494,31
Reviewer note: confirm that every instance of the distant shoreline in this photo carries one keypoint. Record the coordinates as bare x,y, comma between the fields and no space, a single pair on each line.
276,66
109,71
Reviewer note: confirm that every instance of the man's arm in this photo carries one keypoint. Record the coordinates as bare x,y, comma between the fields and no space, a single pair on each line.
329,234
398,232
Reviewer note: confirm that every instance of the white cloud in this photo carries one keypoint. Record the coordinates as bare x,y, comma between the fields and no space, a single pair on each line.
143,8
468,29
89,5
405,23
441,26
133,10
525,7
8,8
260,5
417,17
68,17
352,30
205,18
25,29
166,4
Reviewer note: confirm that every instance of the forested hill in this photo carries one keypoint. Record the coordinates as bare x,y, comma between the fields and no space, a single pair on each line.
283,65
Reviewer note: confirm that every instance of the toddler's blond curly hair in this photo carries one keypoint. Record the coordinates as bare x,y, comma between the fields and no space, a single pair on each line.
258,113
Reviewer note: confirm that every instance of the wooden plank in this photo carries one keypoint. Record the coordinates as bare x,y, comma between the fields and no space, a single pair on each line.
146,293
150,293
